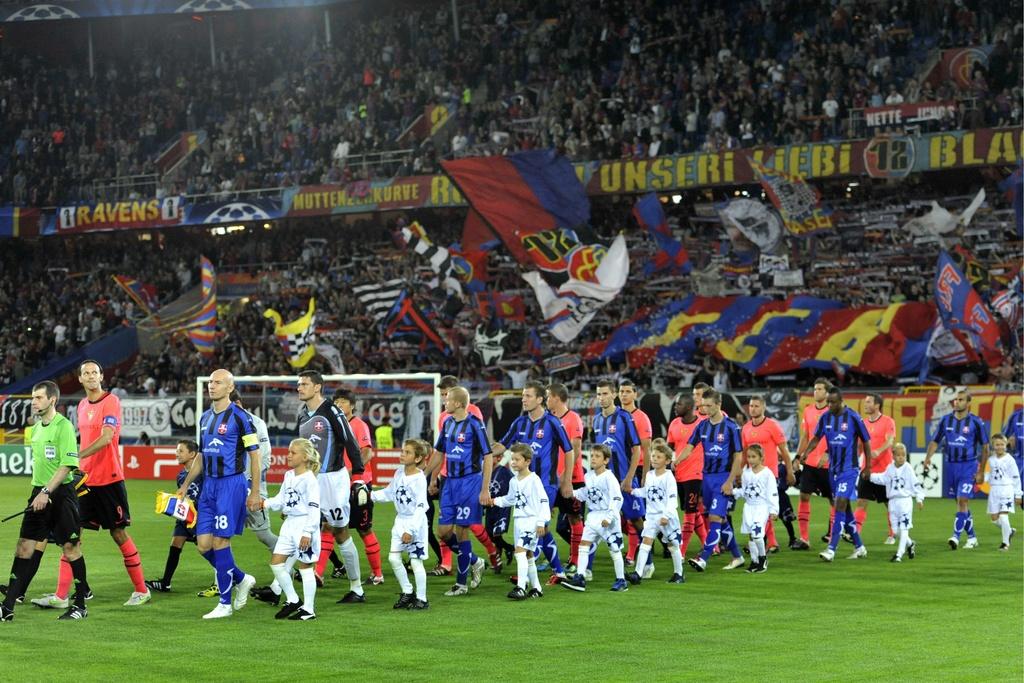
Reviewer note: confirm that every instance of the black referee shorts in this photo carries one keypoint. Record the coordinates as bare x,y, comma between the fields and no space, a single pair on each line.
816,480
60,521
569,506
106,507
689,495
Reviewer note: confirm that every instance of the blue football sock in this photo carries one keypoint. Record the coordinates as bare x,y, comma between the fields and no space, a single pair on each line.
711,542
959,522
551,553
969,524
851,527
224,563
452,542
730,539
590,557
208,556
837,529
465,560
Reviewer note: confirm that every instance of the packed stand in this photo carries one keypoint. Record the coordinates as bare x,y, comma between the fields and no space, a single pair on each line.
601,81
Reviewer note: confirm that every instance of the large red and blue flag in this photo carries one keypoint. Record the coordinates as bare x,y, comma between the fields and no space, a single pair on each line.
964,313
671,255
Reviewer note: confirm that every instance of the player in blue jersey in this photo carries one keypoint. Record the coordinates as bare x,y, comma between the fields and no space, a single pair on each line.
462,442
1014,431
614,427
719,437
545,435
843,431
230,448
964,438
186,451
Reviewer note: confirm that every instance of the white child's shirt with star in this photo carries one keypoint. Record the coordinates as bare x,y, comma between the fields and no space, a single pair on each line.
528,498
409,494
899,482
661,494
299,499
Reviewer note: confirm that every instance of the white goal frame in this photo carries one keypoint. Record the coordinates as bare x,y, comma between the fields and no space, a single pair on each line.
433,377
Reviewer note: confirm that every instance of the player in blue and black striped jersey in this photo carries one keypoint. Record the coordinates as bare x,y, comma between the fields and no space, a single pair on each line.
846,437
186,452
229,447
614,427
720,438
964,438
463,444
545,435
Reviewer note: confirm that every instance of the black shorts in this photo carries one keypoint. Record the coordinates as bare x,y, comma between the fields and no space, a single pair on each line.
816,480
497,520
60,522
180,529
106,507
361,515
689,495
868,490
570,506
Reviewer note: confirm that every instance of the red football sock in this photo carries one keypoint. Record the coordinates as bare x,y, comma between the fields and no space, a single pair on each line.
770,535
634,541
575,535
700,528
859,515
803,518
831,519
64,578
133,565
372,547
688,523
326,546
481,535
446,556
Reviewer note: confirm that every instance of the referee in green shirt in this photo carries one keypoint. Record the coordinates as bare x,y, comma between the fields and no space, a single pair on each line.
53,504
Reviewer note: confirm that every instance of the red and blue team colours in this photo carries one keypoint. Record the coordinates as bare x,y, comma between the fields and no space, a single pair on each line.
964,312
671,254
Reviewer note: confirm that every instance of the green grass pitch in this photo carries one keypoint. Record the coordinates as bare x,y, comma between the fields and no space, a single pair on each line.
944,616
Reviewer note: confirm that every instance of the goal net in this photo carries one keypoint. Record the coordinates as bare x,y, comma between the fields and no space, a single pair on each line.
394,406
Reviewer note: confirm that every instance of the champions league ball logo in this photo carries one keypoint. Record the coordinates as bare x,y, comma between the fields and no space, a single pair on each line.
42,13
237,212
212,6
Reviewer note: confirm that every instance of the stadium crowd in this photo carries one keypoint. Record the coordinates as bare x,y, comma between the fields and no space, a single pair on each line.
596,80
60,294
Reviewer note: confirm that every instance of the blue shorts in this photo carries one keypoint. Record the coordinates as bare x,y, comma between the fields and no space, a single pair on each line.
844,484
715,502
961,478
633,507
460,501
221,510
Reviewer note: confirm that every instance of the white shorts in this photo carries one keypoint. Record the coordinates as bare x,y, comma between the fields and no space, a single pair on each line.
335,489
418,548
901,513
593,532
1000,501
671,533
289,538
525,531
755,520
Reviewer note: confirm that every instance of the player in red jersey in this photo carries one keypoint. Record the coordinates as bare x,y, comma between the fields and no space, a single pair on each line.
570,470
106,505
437,468
882,430
814,478
690,472
361,518
767,433
628,395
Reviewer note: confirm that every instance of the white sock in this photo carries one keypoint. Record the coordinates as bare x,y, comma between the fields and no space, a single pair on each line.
398,567
1004,526
755,554
904,541
284,580
420,575
582,559
677,559
522,569
289,564
308,588
760,547
641,558
617,563
350,556
534,581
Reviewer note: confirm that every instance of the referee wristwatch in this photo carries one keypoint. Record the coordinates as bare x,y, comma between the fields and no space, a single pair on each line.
45,490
